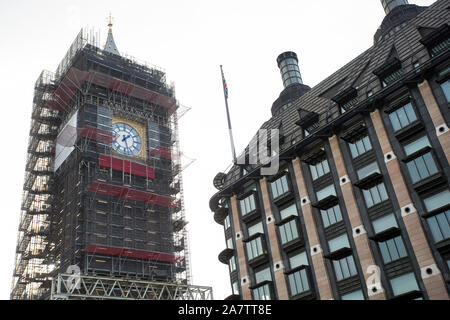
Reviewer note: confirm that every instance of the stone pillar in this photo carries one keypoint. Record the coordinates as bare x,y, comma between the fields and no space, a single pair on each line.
278,267
323,282
359,233
434,283
241,258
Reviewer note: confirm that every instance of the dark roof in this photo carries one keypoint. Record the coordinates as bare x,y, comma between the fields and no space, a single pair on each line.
289,94
404,44
396,17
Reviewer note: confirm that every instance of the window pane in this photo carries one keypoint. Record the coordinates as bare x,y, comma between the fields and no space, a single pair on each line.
438,200
395,121
325,192
331,216
288,231
254,248
325,218
410,113
247,205
443,221
413,172
360,146
368,170
421,167
351,265
367,144
375,195
284,184
298,282
384,252
355,295
326,167
435,231
232,263
257,228
258,246
400,247
392,250
344,268
227,222
403,284
446,88
289,211
314,174
383,193
338,243
353,150
279,187
368,198
263,275
439,226
431,165
402,117
230,243
262,293
319,169
337,270
384,223
298,260
235,288
416,145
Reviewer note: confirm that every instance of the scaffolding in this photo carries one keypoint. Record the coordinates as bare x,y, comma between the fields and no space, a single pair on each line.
84,204
66,287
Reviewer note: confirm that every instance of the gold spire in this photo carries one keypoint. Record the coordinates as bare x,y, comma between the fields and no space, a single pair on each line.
110,46
110,19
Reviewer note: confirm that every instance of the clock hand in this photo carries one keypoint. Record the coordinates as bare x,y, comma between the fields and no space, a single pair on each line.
124,138
126,142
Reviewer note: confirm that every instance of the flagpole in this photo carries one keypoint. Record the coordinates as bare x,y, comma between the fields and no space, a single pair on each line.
225,94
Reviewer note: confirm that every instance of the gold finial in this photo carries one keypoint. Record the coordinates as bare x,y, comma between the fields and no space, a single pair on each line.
110,19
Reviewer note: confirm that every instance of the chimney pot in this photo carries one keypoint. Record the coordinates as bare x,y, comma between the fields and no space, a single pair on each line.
388,5
290,72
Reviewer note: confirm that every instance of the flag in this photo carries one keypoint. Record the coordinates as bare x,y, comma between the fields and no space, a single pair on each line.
225,88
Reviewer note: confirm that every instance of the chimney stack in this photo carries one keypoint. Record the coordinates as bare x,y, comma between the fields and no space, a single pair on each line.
388,5
288,64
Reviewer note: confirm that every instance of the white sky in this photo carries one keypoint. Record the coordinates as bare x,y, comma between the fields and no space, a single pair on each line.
189,39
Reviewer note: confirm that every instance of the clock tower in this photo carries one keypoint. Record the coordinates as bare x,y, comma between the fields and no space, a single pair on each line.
103,193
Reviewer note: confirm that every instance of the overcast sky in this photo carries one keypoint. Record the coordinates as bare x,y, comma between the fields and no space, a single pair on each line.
190,40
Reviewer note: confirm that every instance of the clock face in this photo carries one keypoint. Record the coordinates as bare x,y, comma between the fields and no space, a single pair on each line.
127,140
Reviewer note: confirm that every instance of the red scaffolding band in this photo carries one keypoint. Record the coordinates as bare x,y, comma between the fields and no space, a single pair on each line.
74,78
162,152
131,194
96,134
126,166
133,253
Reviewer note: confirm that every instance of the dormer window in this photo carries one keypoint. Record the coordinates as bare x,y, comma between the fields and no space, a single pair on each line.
346,99
309,121
437,41
389,72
